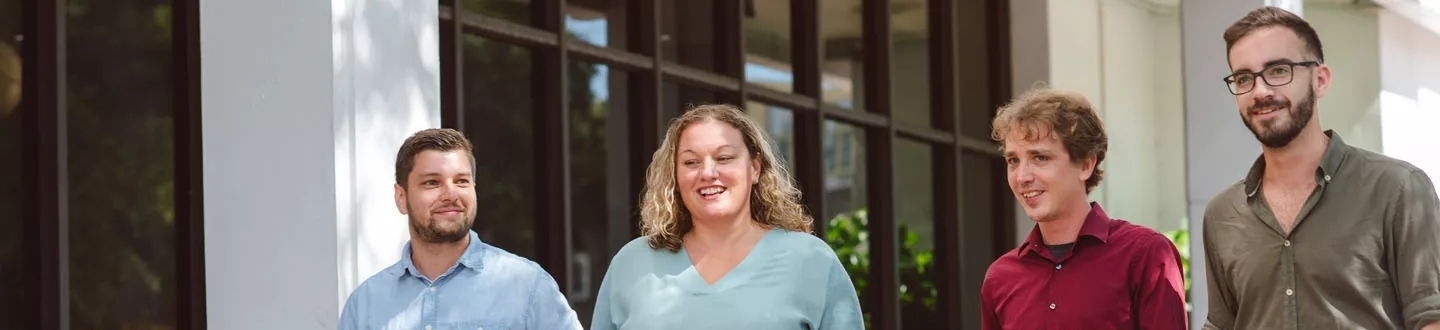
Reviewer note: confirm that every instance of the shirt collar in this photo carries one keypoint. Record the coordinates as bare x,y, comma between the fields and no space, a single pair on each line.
472,258
1097,225
1329,164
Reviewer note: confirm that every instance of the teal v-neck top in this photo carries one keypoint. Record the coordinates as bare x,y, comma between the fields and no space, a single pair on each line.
790,280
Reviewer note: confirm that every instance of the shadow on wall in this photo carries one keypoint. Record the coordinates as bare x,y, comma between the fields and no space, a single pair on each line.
386,86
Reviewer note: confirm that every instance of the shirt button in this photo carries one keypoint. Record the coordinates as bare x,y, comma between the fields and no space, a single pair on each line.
432,289
1287,242
1057,266
1052,306
1289,292
427,327
1327,178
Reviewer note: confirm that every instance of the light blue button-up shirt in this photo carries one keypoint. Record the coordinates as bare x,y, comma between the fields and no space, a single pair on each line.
488,288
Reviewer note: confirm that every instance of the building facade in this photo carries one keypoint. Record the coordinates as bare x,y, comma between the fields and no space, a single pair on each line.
229,164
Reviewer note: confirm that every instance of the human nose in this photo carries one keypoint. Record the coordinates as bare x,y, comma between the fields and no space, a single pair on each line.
1024,173
709,170
449,192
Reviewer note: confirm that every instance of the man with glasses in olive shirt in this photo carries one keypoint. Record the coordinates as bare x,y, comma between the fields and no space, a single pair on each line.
1319,234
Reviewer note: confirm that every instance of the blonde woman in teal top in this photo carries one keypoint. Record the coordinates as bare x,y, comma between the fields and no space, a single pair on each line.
725,242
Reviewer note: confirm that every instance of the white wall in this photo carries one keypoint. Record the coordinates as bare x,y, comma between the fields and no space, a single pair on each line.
269,198
1410,95
1140,46
1352,50
298,215
387,87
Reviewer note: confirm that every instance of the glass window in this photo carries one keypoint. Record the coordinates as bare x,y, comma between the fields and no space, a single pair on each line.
120,149
499,121
845,201
986,194
915,219
975,123
596,22
598,162
767,45
677,98
841,53
12,301
909,63
779,123
517,11
687,33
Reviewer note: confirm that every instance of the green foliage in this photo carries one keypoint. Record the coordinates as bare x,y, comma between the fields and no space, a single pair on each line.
847,235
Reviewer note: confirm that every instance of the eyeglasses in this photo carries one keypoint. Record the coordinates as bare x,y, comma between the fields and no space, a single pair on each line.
1274,75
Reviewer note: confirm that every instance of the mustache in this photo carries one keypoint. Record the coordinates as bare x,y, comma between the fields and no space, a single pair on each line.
1269,102
457,207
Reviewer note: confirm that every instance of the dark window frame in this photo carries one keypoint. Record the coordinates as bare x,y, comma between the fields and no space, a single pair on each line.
44,212
959,82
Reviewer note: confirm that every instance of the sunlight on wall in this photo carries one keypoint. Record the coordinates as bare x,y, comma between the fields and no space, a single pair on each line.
1409,132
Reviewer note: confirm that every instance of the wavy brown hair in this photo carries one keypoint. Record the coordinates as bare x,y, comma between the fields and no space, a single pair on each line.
1067,115
774,200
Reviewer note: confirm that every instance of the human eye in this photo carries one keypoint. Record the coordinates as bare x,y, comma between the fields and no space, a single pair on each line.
1244,79
1278,71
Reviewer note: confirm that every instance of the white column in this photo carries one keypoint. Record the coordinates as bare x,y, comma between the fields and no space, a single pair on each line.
1219,149
1410,84
302,114
1351,36
268,164
387,87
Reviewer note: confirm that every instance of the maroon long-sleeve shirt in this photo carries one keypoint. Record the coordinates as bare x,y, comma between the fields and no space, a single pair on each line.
1117,276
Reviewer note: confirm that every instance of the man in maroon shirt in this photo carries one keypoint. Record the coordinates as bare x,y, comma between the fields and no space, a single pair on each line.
1078,269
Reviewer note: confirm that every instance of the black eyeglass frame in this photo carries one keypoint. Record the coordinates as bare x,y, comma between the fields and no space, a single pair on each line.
1230,79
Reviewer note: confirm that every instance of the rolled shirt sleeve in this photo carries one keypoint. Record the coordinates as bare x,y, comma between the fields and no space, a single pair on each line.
1416,251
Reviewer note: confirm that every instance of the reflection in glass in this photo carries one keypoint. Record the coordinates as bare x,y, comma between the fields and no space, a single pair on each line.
985,188
596,22
687,33
677,98
841,53
767,45
600,210
842,152
915,218
517,11
909,63
779,123
975,122
12,301
499,121
121,171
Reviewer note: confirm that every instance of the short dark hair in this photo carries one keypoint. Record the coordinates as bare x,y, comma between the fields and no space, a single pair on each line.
437,139
1066,114
1273,16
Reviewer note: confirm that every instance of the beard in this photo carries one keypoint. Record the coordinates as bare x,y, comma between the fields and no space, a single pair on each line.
1277,133
441,231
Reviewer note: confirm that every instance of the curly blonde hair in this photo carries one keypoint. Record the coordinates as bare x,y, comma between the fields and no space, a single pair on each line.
774,200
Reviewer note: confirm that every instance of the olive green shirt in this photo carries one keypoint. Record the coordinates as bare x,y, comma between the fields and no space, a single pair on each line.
1364,252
